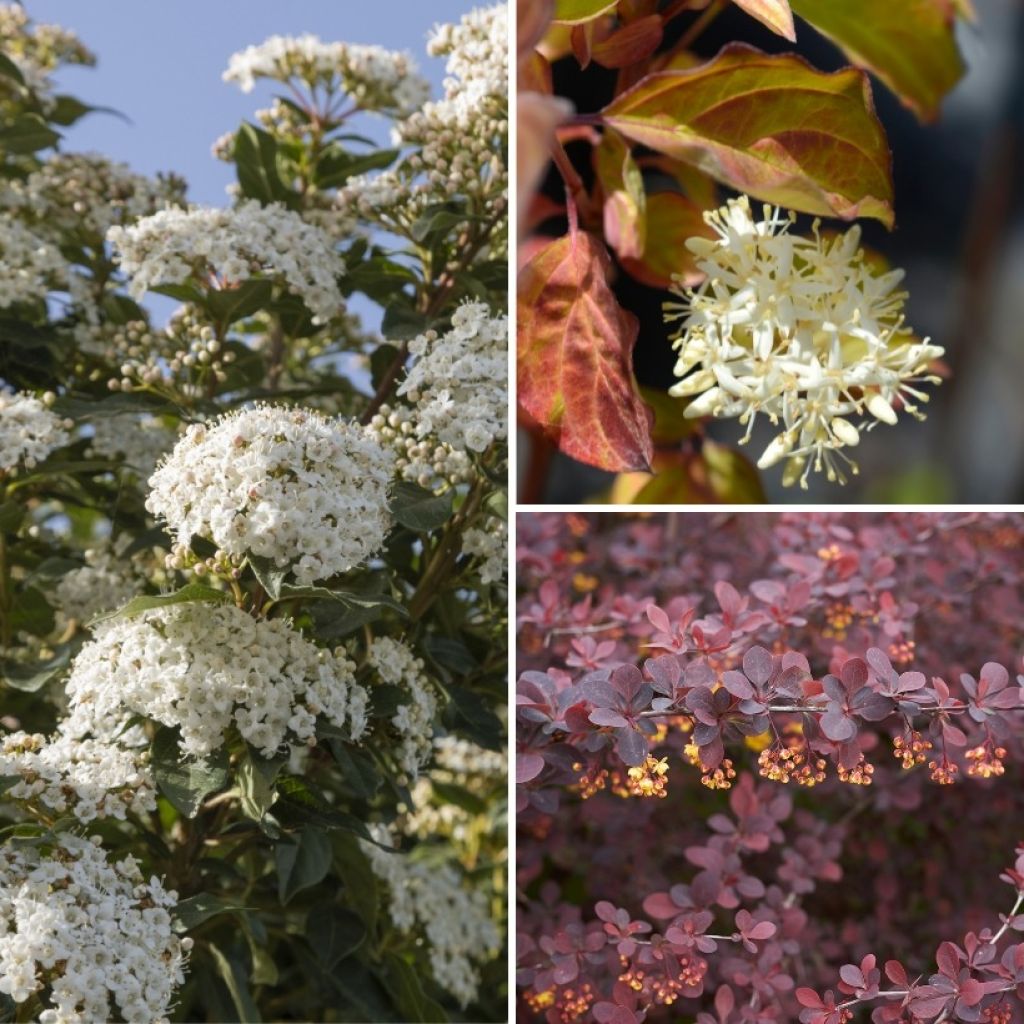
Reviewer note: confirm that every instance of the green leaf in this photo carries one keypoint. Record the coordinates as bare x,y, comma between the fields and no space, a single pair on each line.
189,593
255,776
451,653
301,863
482,724
336,165
231,304
378,277
770,126
436,221
911,46
459,796
27,134
11,515
32,612
270,575
404,981
192,912
184,781
574,12
358,770
401,322
298,805
234,976
333,933
418,509
67,110
625,201
10,70
732,477
360,882
257,167
31,676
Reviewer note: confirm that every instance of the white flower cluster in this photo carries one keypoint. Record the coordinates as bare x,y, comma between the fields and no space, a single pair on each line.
95,933
802,330
461,139
29,431
286,484
86,194
207,667
232,245
139,441
397,665
490,545
30,266
37,49
459,382
108,580
424,461
85,777
374,78
456,920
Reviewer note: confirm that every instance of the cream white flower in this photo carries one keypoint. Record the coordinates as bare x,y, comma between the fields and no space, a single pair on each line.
802,330
230,246
106,581
206,668
30,266
490,545
29,431
286,484
100,934
374,78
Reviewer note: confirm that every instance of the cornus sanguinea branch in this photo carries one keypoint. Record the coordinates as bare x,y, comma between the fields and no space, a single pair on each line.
782,660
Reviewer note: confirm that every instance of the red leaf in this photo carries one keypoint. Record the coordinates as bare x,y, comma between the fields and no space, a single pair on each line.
629,44
574,357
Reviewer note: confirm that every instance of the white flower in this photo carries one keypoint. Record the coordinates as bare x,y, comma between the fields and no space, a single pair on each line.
802,330
85,777
100,934
140,442
375,78
490,545
233,245
456,920
29,431
30,266
286,484
458,382
204,668
103,584
398,666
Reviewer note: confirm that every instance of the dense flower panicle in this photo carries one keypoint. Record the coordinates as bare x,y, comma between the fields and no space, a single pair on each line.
375,78
106,581
96,933
232,245
458,383
424,461
397,665
206,668
456,920
461,139
84,777
29,431
490,545
802,330
30,266
286,484
84,194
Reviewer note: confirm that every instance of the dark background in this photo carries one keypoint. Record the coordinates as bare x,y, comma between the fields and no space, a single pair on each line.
958,236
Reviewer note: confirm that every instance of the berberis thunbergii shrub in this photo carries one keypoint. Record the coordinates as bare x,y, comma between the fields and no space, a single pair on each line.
252,560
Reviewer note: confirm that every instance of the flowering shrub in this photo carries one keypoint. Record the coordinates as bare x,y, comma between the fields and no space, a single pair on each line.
780,322
790,746
253,559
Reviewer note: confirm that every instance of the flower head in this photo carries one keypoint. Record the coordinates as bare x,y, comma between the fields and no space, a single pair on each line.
803,330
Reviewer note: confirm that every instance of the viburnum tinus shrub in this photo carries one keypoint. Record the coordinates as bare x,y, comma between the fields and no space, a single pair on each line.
252,560
769,767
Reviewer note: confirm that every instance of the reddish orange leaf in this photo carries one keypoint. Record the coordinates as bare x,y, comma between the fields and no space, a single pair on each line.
532,20
911,45
625,202
575,343
773,13
771,126
671,220
633,42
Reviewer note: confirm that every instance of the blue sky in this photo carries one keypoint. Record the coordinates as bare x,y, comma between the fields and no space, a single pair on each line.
160,64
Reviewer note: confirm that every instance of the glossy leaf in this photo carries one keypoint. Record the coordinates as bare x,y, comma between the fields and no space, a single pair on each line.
189,593
185,781
911,46
575,357
771,126
418,509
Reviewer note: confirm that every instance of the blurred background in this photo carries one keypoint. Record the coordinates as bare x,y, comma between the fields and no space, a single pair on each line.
959,236
160,66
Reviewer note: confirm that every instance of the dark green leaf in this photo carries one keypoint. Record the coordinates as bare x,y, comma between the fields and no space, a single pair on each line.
196,909
459,796
404,981
255,776
32,612
302,862
189,593
11,515
26,134
336,165
333,933
381,361
359,770
418,509
298,804
451,653
234,976
256,163
31,676
270,575
231,304
401,322
436,222
482,724
10,70
184,781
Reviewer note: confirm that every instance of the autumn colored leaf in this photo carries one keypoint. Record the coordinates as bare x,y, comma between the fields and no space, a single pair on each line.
714,475
629,44
911,45
575,12
770,126
773,13
532,20
625,202
671,219
575,345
